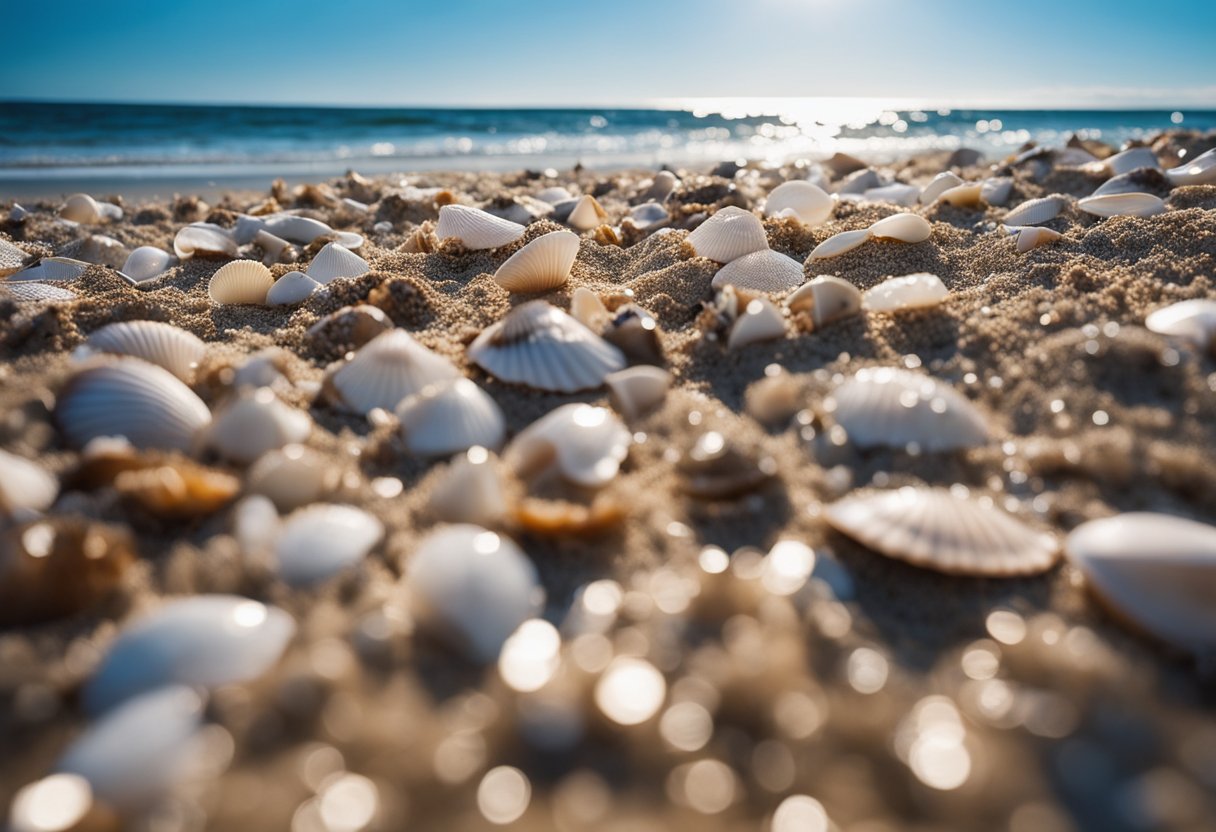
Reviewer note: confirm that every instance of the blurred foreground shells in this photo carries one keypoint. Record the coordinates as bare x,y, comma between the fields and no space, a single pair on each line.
476,229
541,265
321,540
585,444
470,490
913,291
146,263
25,485
451,416
761,271
241,281
204,240
335,261
292,476
728,235
824,300
1115,205
387,369
885,406
1036,211
638,391
938,529
806,201
165,345
1199,171
1193,320
759,320
255,422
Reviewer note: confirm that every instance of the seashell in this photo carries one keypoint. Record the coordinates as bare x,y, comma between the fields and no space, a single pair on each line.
83,209
939,185
966,195
715,468
661,186
61,269
824,300
146,263
241,281
449,417
475,584
1125,162
585,444
541,346
272,247
202,239
165,345
938,529
25,485
334,261
649,216
255,422
728,235
759,321
98,249
1036,211
476,229
638,391
265,368
127,397
1193,320
387,369
304,230
176,488
321,540
761,271
1033,237
541,265
290,289
12,259
897,294
840,243
636,333
808,202
470,491
204,640
587,214
347,329
589,310
520,209
256,527
603,513
996,190
906,228
1116,205
554,195
859,182
31,291
248,227
1139,181
18,214
1154,570
292,476
885,406
897,193
1199,171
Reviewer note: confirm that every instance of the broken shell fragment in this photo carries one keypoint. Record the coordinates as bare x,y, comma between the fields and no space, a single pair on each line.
585,444
761,271
809,203
241,281
541,265
886,406
897,294
728,235
272,247
476,229
823,300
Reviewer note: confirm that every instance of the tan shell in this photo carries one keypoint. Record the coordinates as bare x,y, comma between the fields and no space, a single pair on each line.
761,271
938,186
541,265
1032,237
589,310
904,228
241,281
476,229
897,294
168,346
825,299
587,214
888,406
728,235
966,195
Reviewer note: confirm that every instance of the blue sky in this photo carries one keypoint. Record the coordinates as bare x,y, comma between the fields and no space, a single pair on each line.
530,52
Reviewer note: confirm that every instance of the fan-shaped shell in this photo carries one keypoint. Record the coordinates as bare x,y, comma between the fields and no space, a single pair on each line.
1194,320
321,540
12,259
1036,211
32,291
825,299
470,491
759,321
586,444
913,291
906,228
728,235
476,229
1116,205
839,244
60,269
885,406
290,289
146,263
202,239
637,391
938,185
25,485
941,530
255,422
587,214
451,416
388,368
165,345
292,476
1033,237
1199,171
761,271
335,261
541,265
241,281
541,346
808,202
133,399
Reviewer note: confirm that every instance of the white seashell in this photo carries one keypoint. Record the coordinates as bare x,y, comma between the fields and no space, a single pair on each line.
255,422
290,289
728,235
165,345
826,299
355,205
1036,211
321,540
476,229
247,229
1033,237
637,391
761,271
133,399
541,346
31,291
272,247
1199,171
98,249
938,529
859,182
966,195
388,368
585,444
256,526
335,261
649,215
470,491
25,485
264,368
1125,162
541,265
146,263
906,228
840,243
203,239
476,584
303,230
759,321
554,195
241,281
897,193
996,190
12,259
292,476
661,186
61,269
809,203
589,310
913,291
587,214
83,209
939,185
1156,570
1193,320
885,406
18,214
449,417
1116,205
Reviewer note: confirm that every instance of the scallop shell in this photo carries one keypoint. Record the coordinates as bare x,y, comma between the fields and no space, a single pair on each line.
34,292
290,289
470,491
1117,205
586,445
947,532
165,345
840,243
728,235
637,391
1033,237
321,540
589,310
202,239
541,346
808,202
449,417
389,368
541,265
25,485
255,422
938,185
761,271
996,190
1156,570
759,321
146,263
476,229
292,476
131,398
885,406
587,214
335,261
60,269
241,281
12,259
1036,211
897,193
913,291
1194,320
1199,171
905,228
825,299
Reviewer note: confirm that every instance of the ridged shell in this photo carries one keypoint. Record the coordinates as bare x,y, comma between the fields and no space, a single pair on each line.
12,259
587,214
826,299
586,444
996,190
32,291
335,261
840,243
146,263
131,398
476,229
938,529
290,289
1199,171
321,540
761,271
759,321
897,193
1033,237
241,281
470,491
203,239
541,346
541,265
165,345
808,202
60,269
913,291
938,185
1036,211
255,422
728,235
885,406
1122,205
388,368
637,391
906,228
449,417
1194,320
1157,570
292,476
25,485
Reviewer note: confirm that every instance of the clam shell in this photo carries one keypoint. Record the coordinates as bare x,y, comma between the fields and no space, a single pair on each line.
1033,237
826,299
913,291
335,261
255,422
451,416
759,321
586,445
303,230
388,368
146,263
938,185
858,182
897,193
589,310
470,491
996,190
587,214
475,584
761,271
202,239
83,209
1194,320
947,532
60,269
34,292
840,243
165,345
290,289
1156,570
1036,211
808,202
728,235
321,540
12,259
1199,171
476,229
541,346
637,391
885,406
204,640
241,281
541,265
133,399
1116,205
25,485
906,228
292,476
